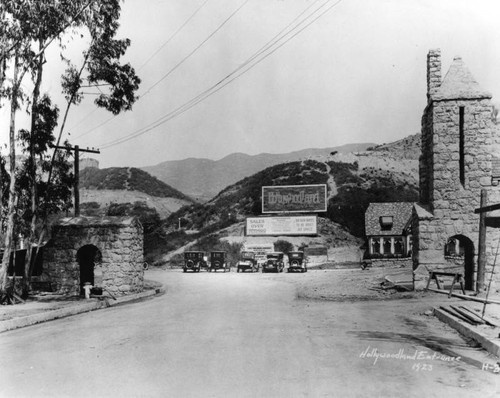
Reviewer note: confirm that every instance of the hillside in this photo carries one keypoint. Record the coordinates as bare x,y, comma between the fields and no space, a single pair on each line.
406,148
96,202
202,179
129,179
353,182
99,188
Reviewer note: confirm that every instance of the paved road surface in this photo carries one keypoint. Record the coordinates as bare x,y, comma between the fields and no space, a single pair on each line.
240,335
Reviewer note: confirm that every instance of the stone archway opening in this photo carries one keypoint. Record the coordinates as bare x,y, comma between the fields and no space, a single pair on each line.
87,256
461,249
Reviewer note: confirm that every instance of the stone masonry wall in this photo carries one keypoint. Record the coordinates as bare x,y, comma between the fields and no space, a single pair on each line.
451,205
121,246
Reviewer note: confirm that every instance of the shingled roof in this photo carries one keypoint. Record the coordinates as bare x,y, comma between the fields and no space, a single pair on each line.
459,84
399,211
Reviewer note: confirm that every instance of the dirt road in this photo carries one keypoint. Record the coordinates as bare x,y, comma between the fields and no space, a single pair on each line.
243,335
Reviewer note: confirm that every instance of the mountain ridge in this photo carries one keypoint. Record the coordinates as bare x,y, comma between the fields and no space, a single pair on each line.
202,179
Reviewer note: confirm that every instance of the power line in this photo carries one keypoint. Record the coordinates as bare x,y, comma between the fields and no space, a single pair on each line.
195,49
177,65
252,61
141,67
173,35
194,101
212,90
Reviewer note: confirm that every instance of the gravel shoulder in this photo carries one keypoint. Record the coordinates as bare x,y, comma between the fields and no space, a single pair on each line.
350,284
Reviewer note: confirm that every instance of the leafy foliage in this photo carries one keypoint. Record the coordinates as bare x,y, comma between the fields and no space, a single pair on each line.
27,30
59,197
283,246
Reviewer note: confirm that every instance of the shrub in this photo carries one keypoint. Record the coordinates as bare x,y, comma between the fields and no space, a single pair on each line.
283,246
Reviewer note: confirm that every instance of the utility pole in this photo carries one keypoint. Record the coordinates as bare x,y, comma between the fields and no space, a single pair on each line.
76,149
481,259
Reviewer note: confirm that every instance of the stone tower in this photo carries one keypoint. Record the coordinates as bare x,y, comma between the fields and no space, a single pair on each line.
459,145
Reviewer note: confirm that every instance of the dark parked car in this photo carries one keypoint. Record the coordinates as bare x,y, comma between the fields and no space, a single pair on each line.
194,261
296,262
218,261
247,261
274,262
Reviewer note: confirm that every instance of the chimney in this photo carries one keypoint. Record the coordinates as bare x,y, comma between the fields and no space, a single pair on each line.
433,72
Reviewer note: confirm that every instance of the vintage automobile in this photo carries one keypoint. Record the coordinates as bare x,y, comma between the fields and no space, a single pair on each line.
296,262
246,261
194,261
218,261
274,262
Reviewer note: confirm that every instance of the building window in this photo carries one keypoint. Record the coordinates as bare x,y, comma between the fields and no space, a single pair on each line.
461,145
454,248
398,246
387,246
386,223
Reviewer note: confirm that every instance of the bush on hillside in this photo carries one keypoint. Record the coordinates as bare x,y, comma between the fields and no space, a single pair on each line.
283,246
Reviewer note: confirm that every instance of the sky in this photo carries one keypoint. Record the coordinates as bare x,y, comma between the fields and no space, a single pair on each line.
354,71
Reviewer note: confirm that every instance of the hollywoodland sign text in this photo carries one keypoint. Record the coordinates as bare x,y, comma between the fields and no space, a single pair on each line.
294,198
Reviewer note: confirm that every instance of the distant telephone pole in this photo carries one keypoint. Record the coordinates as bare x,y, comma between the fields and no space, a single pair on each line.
76,149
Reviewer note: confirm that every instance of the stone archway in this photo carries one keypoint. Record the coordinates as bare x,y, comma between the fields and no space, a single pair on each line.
105,250
87,257
461,248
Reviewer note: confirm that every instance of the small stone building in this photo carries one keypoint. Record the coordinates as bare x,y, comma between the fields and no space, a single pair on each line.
460,151
107,252
386,235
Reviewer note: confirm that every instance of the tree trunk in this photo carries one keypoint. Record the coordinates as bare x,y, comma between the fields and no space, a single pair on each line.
26,284
11,210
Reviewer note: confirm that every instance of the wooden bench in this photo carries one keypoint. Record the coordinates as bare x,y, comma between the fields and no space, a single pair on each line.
457,277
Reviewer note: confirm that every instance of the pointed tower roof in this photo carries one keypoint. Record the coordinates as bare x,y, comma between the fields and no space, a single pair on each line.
459,84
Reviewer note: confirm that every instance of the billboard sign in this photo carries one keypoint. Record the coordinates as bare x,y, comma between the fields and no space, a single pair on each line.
274,226
294,199
260,250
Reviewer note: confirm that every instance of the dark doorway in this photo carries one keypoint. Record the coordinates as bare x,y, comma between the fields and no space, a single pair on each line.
468,264
459,246
87,256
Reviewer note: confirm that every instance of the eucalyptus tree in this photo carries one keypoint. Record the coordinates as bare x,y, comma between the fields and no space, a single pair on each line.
29,28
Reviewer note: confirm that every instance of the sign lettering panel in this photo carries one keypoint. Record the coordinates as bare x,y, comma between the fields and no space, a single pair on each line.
294,198
293,225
